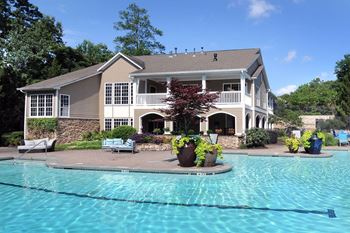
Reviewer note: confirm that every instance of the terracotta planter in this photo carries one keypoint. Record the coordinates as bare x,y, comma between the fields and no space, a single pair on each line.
187,156
210,159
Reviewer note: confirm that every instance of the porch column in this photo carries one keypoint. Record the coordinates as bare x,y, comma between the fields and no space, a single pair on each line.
204,82
243,100
56,101
26,105
135,83
168,80
253,103
145,86
267,109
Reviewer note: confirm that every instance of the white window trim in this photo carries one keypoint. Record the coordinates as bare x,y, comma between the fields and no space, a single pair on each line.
223,85
61,106
130,121
104,123
113,95
37,105
104,94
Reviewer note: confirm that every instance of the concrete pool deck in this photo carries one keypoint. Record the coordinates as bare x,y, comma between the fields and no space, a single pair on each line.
146,161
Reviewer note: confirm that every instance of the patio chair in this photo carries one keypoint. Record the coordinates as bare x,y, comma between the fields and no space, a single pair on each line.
108,143
343,138
37,145
129,145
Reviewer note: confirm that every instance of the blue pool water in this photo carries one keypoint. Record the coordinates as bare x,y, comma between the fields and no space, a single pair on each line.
261,194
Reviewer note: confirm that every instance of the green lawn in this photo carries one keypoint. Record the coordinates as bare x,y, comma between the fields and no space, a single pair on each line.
79,145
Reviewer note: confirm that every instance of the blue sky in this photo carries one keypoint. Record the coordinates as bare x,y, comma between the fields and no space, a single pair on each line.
299,39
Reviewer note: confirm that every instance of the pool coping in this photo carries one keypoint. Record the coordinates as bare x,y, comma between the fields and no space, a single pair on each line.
218,169
282,155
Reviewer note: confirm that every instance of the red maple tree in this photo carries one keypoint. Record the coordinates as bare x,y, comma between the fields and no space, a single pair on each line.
185,103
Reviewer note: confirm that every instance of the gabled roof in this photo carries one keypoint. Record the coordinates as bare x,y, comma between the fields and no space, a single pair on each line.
62,80
133,60
181,62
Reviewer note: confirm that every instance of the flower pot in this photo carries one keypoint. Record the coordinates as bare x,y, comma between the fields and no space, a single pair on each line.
187,156
316,146
210,159
294,151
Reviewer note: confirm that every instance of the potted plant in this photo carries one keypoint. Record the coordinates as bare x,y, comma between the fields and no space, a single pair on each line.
312,141
166,130
207,153
293,144
184,148
157,131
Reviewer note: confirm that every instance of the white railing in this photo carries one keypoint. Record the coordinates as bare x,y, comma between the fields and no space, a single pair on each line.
229,97
150,99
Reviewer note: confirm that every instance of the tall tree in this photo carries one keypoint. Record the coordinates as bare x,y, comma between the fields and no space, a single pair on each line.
140,37
342,70
94,53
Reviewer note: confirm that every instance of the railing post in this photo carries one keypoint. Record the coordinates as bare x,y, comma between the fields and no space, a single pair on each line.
204,82
168,80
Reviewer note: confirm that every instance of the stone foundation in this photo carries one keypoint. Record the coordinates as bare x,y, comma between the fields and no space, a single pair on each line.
68,130
228,142
153,147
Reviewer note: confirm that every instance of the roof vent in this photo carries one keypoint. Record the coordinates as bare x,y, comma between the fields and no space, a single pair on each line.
215,58
194,52
175,51
185,51
202,50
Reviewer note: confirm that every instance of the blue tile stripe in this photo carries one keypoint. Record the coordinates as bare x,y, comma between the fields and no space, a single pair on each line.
330,212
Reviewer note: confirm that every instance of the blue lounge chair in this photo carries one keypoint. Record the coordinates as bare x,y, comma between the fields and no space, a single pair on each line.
129,145
107,144
343,138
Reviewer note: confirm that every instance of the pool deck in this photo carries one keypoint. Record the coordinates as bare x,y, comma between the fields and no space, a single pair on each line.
146,161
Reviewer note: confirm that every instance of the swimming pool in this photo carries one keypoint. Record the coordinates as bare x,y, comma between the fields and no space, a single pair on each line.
260,194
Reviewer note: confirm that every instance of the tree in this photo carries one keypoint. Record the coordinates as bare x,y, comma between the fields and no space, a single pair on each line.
140,37
185,103
94,53
342,70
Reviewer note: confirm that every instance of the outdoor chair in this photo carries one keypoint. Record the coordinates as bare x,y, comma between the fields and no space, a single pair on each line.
37,145
343,138
129,145
107,144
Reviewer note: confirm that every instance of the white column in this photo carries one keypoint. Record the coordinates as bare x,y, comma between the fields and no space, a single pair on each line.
243,100
253,103
267,108
56,112
26,105
204,82
145,86
135,84
168,80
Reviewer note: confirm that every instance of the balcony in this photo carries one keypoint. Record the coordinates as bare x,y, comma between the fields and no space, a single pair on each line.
229,97
150,99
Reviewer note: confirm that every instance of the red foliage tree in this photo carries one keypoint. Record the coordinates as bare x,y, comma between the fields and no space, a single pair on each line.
185,103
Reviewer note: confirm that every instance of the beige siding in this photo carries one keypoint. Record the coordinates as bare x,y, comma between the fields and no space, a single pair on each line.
84,96
217,85
118,72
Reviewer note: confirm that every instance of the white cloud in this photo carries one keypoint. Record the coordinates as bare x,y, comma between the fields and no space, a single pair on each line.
307,58
260,8
292,54
286,90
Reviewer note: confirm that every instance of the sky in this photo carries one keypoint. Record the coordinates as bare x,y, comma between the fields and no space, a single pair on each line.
299,39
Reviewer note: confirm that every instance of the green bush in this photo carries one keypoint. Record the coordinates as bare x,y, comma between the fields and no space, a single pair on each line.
123,131
328,125
95,135
11,138
305,139
273,136
256,137
42,124
331,140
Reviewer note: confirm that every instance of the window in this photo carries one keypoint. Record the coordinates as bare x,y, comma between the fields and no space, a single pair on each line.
108,124
120,121
64,105
232,87
41,105
121,93
108,93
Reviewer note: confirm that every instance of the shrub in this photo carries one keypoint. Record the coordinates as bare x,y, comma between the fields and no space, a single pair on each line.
95,135
305,138
191,132
293,144
273,135
328,125
12,138
42,124
123,131
142,138
331,140
157,131
256,137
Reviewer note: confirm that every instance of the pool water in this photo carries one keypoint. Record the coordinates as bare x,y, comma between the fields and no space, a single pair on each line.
260,194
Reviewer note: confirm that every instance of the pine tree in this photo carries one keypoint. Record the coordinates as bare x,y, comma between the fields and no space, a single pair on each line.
140,38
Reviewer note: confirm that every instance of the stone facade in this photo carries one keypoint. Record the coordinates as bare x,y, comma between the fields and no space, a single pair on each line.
228,142
68,130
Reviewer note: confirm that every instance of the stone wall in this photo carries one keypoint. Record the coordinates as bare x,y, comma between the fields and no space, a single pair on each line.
70,130
228,142
153,147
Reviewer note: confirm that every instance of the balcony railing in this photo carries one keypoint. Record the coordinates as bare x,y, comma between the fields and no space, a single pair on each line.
229,97
150,99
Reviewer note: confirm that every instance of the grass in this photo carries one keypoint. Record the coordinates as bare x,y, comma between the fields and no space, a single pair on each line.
79,145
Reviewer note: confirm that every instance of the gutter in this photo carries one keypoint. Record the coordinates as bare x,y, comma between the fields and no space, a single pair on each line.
186,72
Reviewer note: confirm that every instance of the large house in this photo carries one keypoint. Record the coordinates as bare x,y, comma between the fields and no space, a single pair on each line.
129,90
